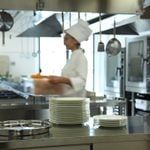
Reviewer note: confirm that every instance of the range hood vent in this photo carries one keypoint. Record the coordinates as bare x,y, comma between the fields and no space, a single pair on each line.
48,28
146,10
122,30
146,13
137,27
103,6
142,25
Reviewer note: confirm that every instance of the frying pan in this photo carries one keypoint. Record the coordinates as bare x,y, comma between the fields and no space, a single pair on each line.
6,23
113,46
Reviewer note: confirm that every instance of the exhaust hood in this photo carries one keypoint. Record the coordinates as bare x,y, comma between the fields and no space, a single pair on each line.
142,26
122,30
47,28
103,6
146,10
132,26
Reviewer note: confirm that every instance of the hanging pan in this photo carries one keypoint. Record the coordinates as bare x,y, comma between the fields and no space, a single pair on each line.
6,23
113,46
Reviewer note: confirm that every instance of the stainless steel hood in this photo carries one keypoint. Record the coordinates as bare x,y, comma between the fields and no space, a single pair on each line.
146,13
146,10
122,30
141,25
104,6
48,28
132,26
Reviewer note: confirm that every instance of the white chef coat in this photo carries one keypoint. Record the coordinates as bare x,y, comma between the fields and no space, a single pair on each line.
76,70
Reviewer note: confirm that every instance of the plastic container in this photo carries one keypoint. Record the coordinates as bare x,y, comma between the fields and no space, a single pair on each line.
44,87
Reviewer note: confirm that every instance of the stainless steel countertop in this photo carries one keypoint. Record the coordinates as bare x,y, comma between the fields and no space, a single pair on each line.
138,128
24,106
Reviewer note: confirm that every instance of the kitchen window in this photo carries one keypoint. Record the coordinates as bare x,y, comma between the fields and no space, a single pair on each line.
53,57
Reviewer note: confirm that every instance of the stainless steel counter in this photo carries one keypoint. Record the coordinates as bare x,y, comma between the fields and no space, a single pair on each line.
24,106
19,108
137,130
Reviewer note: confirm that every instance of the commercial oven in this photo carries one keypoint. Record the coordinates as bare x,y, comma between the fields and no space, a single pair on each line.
138,64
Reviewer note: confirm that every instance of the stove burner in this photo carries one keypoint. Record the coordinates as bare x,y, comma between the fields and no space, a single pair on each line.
22,129
8,94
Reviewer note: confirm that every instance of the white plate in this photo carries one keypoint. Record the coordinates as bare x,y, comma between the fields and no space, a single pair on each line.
69,110
110,120
68,99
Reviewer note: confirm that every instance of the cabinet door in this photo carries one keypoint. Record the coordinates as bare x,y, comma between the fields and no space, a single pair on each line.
139,145
78,147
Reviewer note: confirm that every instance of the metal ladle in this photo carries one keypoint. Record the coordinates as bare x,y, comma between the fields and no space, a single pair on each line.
100,44
113,46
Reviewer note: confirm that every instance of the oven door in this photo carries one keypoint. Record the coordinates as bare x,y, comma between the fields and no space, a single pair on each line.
136,65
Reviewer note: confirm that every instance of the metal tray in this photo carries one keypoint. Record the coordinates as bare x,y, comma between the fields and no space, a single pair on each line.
20,128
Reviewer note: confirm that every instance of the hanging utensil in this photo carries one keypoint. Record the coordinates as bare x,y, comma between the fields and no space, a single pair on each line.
113,46
6,23
63,31
78,16
100,44
34,53
63,22
85,15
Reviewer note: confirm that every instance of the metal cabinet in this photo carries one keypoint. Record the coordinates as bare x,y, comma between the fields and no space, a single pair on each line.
138,64
132,145
76,147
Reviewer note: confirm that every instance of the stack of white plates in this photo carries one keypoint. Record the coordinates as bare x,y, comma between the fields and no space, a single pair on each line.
69,110
110,120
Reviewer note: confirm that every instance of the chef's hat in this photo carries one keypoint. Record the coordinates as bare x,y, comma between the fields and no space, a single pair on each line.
80,31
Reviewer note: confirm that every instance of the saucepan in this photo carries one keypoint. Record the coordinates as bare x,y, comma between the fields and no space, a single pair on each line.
113,46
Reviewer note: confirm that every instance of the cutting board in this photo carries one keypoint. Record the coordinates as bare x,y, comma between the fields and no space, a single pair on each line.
4,64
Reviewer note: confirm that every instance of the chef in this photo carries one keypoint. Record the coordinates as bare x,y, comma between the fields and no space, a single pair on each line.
74,73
